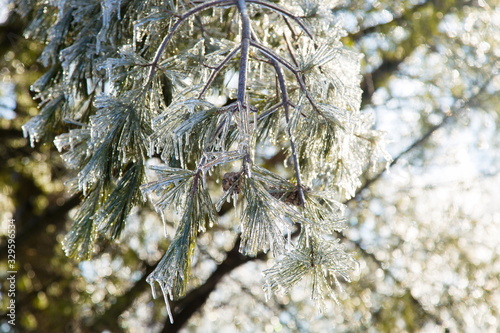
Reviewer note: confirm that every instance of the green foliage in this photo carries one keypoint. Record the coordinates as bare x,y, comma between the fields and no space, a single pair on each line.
172,273
138,80
320,259
423,234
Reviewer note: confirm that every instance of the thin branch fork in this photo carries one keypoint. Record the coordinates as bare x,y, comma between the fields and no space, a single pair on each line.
296,72
283,12
290,50
244,47
270,111
270,54
177,24
296,63
217,70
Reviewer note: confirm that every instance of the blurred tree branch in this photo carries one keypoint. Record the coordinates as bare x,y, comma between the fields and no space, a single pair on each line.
108,319
10,133
421,32
194,300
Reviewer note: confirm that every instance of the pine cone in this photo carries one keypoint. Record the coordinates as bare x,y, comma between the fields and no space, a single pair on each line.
229,179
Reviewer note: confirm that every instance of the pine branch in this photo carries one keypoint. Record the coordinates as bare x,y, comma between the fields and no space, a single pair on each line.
187,306
122,119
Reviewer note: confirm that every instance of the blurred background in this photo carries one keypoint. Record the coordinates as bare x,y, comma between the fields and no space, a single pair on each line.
425,230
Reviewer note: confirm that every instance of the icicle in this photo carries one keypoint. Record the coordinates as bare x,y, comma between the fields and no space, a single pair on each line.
307,237
153,289
268,292
204,177
162,214
151,148
134,38
119,10
180,155
144,196
82,186
33,140
167,304
289,239
201,228
339,286
90,85
271,243
191,26
237,212
235,200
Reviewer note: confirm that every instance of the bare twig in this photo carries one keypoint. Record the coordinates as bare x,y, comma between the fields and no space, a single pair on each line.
290,50
177,24
217,70
296,72
269,111
284,12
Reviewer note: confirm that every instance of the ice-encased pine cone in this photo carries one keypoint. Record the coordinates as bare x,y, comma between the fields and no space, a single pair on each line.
229,179
289,197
